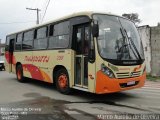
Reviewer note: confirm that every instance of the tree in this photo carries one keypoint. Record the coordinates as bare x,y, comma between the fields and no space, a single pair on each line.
133,17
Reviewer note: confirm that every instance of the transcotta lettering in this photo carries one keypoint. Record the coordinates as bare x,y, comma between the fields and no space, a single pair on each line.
37,58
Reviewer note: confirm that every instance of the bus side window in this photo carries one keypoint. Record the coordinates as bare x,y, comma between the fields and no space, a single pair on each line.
51,30
7,44
11,45
40,41
59,35
18,43
28,40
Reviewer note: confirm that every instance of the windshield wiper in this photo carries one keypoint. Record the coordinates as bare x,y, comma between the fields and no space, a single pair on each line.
124,44
132,43
123,47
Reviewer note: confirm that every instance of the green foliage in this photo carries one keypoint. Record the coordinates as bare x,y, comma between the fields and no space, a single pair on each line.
133,17
153,78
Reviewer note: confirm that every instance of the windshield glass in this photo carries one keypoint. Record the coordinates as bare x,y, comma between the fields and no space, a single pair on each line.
133,35
115,36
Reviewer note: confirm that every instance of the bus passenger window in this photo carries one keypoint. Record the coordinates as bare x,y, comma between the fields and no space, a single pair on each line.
28,40
59,35
7,44
41,38
51,30
11,46
19,41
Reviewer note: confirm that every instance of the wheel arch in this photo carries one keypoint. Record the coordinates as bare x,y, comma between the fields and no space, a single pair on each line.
18,63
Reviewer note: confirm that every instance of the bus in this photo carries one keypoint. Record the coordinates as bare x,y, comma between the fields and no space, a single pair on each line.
89,51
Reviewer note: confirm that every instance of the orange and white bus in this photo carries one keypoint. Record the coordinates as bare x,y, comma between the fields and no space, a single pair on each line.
94,52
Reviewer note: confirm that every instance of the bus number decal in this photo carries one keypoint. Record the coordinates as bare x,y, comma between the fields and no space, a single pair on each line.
60,57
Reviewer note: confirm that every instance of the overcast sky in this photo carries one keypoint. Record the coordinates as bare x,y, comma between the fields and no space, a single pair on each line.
14,16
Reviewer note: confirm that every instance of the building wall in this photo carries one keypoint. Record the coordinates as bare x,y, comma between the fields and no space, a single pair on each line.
144,32
155,47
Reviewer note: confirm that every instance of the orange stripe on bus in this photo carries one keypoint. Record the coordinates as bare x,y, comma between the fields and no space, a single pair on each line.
104,84
36,73
46,77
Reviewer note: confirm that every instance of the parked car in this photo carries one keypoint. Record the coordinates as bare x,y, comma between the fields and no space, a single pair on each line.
2,67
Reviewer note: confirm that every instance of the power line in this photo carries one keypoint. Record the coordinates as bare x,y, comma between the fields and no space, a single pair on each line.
45,10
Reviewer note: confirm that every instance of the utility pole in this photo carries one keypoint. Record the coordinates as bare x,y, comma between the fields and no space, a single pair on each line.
37,10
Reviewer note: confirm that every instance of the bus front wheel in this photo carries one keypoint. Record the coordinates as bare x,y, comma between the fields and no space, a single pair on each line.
19,73
62,81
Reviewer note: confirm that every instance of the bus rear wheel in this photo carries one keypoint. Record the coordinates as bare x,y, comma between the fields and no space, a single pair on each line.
62,81
19,73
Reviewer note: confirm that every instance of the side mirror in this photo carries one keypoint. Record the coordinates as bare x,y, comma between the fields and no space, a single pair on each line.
95,30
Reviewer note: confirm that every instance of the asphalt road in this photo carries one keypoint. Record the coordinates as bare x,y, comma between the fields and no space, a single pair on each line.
29,99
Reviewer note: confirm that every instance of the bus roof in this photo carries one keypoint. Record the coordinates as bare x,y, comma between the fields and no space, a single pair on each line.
88,13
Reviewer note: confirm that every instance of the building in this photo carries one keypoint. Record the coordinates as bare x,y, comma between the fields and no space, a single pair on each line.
144,32
155,51
151,42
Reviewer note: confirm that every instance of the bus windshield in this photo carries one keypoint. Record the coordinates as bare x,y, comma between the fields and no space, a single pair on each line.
118,38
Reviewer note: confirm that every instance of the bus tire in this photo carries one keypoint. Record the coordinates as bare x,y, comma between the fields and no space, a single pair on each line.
19,74
62,81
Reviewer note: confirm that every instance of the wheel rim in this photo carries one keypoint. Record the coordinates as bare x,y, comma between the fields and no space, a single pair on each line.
62,81
19,74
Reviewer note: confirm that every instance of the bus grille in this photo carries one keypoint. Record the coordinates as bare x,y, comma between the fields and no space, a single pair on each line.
128,75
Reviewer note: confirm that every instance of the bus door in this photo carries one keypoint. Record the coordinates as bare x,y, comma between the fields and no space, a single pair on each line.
11,49
82,36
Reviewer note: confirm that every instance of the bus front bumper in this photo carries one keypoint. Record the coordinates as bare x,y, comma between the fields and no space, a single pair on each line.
104,84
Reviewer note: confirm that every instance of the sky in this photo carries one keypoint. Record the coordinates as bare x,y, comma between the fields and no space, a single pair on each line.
14,16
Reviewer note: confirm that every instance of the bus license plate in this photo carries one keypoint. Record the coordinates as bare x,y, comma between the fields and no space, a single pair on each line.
131,83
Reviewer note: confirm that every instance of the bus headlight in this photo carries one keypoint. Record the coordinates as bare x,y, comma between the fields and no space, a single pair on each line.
107,71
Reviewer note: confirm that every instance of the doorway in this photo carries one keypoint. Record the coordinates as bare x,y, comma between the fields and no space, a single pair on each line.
82,36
